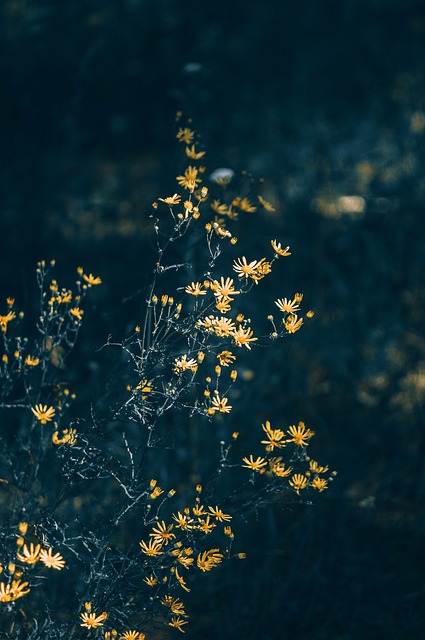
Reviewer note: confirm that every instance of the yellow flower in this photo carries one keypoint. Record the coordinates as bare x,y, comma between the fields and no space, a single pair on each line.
162,534
317,468
243,268
175,199
4,320
319,483
32,361
183,364
278,468
192,153
183,521
256,465
226,358
156,493
266,204
209,559
220,404
181,580
243,337
77,313
92,621
300,435
92,280
151,549
262,269
244,204
43,413
195,289
132,635
52,561
224,305
205,525
219,207
151,581
13,591
223,327
177,623
68,435
190,178
275,437
224,289
219,515
199,510
298,482
292,323
288,306
185,135
29,555
277,248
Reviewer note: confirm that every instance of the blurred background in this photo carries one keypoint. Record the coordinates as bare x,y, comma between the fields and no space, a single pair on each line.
325,100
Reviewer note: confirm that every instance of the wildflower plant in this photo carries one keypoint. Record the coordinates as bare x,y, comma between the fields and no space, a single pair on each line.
110,509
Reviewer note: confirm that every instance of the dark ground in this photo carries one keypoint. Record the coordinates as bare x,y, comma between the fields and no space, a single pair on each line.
324,99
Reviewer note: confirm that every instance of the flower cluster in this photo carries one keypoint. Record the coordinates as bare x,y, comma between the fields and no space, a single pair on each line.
297,439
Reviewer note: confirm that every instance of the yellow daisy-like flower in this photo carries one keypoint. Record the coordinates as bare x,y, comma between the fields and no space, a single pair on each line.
92,621
277,467
76,312
219,515
298,482
315,467
162,533
52,561
292,323
195,289
132,635
219,207
289,306
175,199
32,361
226,358
220,404
4,320
244,204
183,364
178,623
243,268
43,413
279,250
10,592
151,581
209,559
192,153
224,289
224,305
206,525
184,522
255,465
275,437
300,434
92,280
266,204
151,549
223,327
29,555
185,135
199,510
320,484
190,179
243,337
261,270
